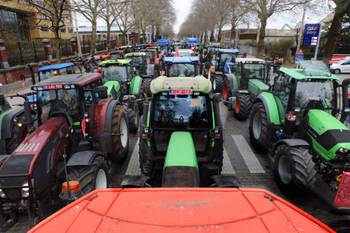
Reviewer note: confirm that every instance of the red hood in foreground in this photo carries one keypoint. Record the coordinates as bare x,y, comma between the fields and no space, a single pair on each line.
181,210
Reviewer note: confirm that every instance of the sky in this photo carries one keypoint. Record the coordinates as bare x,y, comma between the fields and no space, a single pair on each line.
182,9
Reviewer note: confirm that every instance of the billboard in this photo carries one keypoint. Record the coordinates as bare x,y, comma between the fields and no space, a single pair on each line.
311,34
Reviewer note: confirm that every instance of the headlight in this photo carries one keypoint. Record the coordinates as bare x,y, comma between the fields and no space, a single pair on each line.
343,150
2,194
25,190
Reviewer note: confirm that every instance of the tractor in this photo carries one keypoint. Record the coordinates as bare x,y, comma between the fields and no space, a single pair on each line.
182,66
223,66
181,136
153,54
45,72
250,77
13,128
125,85
78,133
296,121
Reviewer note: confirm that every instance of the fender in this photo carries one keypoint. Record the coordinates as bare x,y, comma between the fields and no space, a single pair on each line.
113,88
135,85
291,143
234,81
83,158
271,107
7,122
256,86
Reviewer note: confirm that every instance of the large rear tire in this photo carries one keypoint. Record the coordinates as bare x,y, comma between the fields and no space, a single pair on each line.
147,86
120,134
259,128
218,83
146,164
134,118
91,177
242,107
294,168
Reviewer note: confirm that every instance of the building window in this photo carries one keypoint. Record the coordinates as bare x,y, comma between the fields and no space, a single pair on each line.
13,26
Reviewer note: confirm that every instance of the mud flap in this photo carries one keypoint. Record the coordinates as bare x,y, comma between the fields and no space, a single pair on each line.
342,198
135,181
225,181
345,108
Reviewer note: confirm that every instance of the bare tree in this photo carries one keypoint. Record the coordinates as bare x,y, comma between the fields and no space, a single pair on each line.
125,20
91,10
54,12
264,9
342,7
111,10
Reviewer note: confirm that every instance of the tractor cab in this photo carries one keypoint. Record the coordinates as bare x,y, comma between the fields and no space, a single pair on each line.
182,129
70,96
182,66
152,53
251,68
45,72
141,62
297,92
225,59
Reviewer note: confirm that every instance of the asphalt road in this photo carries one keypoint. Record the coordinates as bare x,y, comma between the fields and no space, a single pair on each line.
252,169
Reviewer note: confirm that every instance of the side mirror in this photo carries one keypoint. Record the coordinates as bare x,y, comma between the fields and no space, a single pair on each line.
102,92
217,97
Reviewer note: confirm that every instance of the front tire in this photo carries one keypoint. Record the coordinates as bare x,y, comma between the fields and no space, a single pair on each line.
134,118
91,177
242,107
293,168
147,86
120,134
259,128
218,86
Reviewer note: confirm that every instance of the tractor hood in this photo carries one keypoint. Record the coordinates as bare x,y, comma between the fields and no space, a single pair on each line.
181,210
328,133
256,86
27,154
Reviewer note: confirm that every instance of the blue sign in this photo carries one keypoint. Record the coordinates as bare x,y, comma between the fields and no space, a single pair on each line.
311,34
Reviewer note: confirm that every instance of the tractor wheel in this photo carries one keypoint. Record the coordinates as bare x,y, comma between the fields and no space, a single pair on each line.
134,118
259,129
293,168
337,71
147,86
120,134
91,177
242,107
146,165
17,136
218,84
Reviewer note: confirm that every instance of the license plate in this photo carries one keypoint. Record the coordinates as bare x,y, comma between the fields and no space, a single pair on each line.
180,92
342,198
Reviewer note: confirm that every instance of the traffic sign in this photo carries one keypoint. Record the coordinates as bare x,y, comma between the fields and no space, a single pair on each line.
311,34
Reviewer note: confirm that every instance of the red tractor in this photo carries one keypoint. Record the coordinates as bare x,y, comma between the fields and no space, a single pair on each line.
77,133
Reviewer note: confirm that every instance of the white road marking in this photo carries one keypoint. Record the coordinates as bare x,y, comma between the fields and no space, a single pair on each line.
248,155
134,165
227,168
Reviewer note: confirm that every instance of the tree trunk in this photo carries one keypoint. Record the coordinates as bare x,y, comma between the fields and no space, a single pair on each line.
109,44
261,37
57,44
205,37
233,30
93,37
212,39
334,31
158,32
219,34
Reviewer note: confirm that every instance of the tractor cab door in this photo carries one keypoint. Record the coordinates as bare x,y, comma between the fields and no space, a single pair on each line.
344,105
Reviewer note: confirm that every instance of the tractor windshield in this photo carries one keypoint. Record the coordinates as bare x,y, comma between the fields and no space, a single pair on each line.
58,100
137,60
314,90
181,70
115,73
186,111
227,57
254,71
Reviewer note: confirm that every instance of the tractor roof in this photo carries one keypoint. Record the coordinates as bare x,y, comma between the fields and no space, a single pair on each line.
135,54
115,62
300,74
163,84
249,60
181,210
75,79
56,67
228,51
181,60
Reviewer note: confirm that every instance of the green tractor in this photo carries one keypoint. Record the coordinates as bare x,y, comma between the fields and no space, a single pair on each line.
125,85
181,136
250,77
295,120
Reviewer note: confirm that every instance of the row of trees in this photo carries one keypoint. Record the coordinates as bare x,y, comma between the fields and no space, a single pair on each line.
139,16
210,16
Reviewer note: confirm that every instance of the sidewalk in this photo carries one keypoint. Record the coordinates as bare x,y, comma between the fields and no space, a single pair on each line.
16,87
